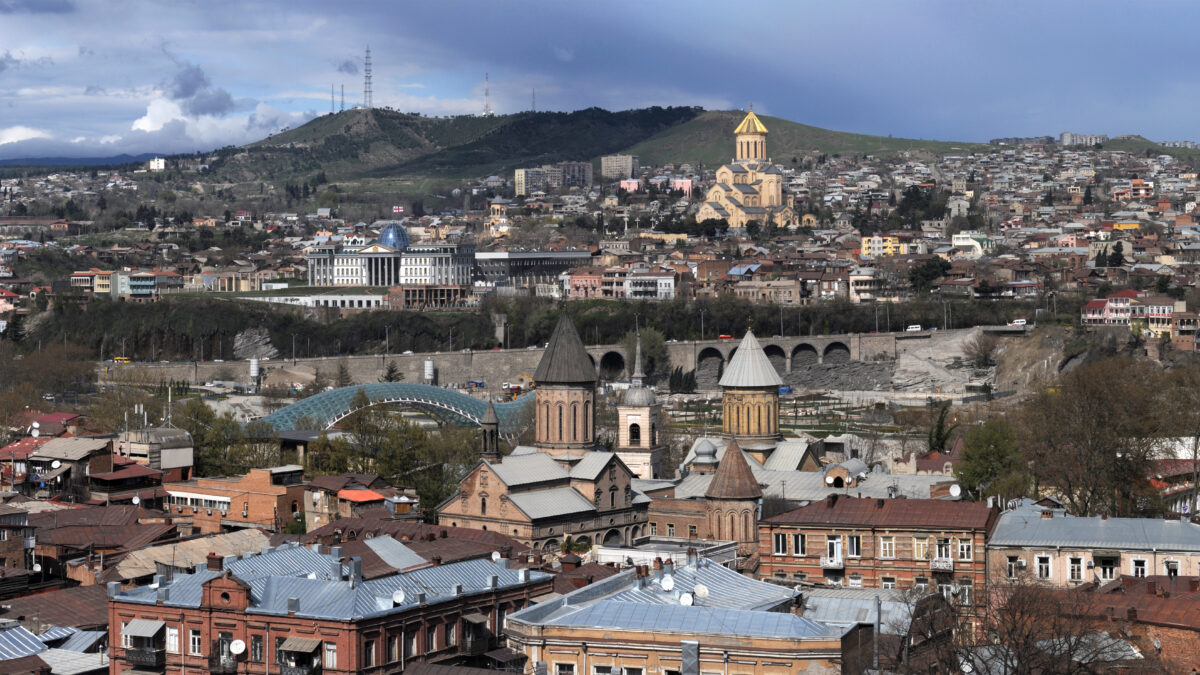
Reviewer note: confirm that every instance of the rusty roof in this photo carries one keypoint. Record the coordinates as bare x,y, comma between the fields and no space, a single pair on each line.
100,515
83,607
733,478
924,514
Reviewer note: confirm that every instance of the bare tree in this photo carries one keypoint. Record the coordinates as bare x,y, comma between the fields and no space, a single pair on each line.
981,349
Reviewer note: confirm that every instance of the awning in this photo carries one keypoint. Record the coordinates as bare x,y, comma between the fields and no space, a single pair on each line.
143,628
1106,554
301,645
504,655
55,473
475,617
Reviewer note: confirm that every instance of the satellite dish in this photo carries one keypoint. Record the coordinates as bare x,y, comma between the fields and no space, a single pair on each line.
398,596
701,591
686,600
495,556
237,647
37,567
136,500
668,582
37,425
35,432
829,480
955,490
55,464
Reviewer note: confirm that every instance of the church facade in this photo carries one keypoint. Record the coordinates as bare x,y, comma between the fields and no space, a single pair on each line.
751,188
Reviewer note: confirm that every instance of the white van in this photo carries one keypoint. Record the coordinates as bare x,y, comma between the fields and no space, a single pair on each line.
1017,322
915,328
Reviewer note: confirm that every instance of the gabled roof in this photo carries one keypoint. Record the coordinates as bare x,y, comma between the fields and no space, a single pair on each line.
916,513
565,360
733,478
526,469
750,367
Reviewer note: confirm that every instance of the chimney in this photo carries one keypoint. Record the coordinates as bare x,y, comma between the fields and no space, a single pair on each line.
692,556
114,589
879,503
436,560
293,605
158,580
442,533
336,552
1193,584
355,572
457,590
1103,516
522,575
1131,614
668,567
421,597
1127,582
506,552
493,582
658,565
569,562
163,594
1047,514
214,562
1151,588
830,500
267,550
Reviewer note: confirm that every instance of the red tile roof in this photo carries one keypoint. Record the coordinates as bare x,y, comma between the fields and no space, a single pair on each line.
922,514
359,496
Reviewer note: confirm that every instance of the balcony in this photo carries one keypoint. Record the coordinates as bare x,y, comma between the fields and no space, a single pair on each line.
146,657
941,564
474,646
222,663
311,669
832,562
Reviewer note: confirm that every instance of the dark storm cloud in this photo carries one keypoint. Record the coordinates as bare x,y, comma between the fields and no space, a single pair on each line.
7,61
187,82
94,90
349,67
209,102
36,6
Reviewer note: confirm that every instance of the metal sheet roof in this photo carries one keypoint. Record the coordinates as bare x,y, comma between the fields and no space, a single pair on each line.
591,465
394,553
526,469
142,628
84,640
551,503
750,367
299,644
16,642
67,662
57,633
1130,534
691,620
850,606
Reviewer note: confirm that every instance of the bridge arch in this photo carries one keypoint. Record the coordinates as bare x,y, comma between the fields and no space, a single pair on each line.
710,363
328,408
612,365
836,352
805,355
777,356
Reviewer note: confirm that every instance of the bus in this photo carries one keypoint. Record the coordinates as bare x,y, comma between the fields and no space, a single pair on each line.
725,338
122,359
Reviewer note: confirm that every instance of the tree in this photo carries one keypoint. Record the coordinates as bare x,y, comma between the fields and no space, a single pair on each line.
1102,258
992,463
1162,284
655,359
939,432
1117,257
1087,196
344,379
924,275
392,373
980,349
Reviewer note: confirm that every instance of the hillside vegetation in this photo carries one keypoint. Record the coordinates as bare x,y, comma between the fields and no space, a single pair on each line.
379,143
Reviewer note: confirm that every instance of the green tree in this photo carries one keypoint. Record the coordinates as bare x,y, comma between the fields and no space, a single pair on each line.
992,463
344,379
392,373
1162,284
1102,258
655,359
1087,196
1117,257
940,431
923,276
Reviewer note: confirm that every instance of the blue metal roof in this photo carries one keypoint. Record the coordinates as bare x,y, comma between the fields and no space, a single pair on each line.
57,633
16,642
327,408
676,618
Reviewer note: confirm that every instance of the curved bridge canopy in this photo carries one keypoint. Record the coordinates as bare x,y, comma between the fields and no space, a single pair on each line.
330,407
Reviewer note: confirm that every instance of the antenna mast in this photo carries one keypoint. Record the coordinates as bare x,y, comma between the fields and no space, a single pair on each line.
343,97
367,79
487,97
332,108
533,101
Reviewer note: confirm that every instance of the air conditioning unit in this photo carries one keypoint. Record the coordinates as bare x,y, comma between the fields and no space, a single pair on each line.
224,513
195,509
244,513
1021,564
208,511
1091,564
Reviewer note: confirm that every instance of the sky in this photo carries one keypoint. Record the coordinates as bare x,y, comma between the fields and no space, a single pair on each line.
83,78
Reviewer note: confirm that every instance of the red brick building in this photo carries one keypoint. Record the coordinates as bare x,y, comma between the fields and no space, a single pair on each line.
882,543
268,499
301,611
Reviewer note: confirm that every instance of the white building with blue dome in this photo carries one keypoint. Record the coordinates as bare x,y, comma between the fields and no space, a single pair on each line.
390,258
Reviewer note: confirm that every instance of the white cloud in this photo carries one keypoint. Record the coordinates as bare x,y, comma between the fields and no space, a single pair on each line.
20,133
158,113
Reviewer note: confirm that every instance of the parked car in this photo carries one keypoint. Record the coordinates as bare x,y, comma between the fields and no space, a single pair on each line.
915,328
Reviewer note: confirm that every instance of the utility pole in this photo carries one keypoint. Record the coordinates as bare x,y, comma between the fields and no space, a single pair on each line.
702,324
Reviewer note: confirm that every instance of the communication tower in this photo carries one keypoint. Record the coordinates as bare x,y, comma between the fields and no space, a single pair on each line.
367,79
487,97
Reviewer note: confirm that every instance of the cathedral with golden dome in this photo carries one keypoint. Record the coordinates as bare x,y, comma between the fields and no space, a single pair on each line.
751,188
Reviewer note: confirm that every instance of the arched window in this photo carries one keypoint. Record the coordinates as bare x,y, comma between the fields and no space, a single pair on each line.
483,506
654,435
560,422
732,528
587,420
760,424
612,497
574,421
635,434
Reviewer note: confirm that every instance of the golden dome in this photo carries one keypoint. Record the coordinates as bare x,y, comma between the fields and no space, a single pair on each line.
750,125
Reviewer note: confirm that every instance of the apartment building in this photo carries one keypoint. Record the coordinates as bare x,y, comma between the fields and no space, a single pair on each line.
264,498
616,167
882,543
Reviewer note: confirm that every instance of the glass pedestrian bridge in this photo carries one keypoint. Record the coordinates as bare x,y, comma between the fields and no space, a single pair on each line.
328,408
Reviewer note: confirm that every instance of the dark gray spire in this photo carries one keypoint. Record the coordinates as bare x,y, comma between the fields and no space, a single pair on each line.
565,360
639,375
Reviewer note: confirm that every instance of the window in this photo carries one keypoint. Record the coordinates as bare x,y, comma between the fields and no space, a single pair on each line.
368,654
430,638
1139,568
943,548
633,671
692,531
1172,568
780,543
887,547
920,549
798,547
173,639
393,648
410,643
451,633
1012,566
653,529
1075,568
855,545
331,656
483,506
670,529
965,589
799,576
602,670
1043,567
964,549
564,669
855,581
888,582
194,642
278,653
256,648
1108,568
947,591
833,546
125,642
921,584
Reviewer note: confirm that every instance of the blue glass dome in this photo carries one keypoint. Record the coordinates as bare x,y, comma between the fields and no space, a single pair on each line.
394,236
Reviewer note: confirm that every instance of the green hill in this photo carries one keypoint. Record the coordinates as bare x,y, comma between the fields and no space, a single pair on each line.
709,139
1143,147
380,143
